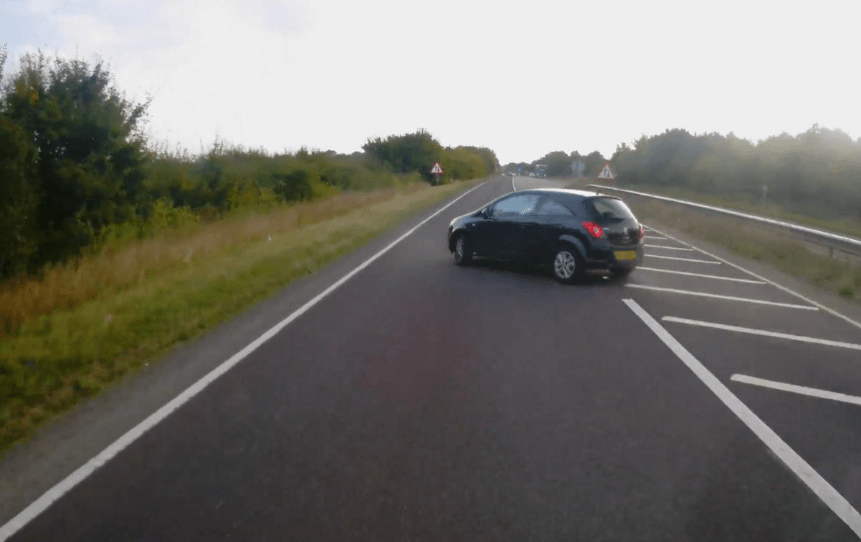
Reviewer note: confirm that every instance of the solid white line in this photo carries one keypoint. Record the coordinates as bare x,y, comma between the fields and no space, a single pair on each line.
781,449
747,281
656,238
679,259
39,505
671,248
776,285
803,390
513,188
726,297
752,331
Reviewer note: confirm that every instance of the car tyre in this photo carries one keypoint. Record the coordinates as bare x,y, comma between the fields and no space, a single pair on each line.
462,250
567,264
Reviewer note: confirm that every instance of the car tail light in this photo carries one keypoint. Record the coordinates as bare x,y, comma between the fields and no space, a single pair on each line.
594,230
641,231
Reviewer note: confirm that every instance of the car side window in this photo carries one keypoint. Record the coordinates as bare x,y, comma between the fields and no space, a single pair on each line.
551,207
520,204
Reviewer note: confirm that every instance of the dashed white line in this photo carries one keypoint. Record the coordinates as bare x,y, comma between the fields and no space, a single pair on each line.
725,297
776,285
746,281
803,390
671,248
655,238
64,486
762,332
679,259
825,491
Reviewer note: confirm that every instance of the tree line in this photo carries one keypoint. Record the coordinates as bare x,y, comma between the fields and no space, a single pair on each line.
558,164
419,152
76,166
816,172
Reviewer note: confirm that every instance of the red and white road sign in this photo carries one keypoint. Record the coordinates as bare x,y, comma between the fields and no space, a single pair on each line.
607,173
436,169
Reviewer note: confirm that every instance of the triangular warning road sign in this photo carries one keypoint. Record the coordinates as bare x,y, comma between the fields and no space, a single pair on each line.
436,169
607,172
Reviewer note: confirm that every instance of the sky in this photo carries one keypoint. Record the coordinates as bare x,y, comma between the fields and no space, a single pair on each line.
522,78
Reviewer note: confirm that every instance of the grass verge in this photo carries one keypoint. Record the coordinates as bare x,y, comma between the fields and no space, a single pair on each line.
784,252
769,209
112,313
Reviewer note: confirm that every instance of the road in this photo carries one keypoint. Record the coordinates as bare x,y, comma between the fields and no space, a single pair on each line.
423,401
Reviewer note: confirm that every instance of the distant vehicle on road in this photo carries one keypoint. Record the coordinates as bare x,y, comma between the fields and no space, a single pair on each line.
571,230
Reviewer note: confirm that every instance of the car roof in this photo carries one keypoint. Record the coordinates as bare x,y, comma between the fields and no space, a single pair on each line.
568,191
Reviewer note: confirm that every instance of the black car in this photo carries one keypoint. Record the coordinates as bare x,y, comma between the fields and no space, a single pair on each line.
571,229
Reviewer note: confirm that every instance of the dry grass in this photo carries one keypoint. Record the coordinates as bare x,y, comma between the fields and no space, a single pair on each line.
781,250
67,286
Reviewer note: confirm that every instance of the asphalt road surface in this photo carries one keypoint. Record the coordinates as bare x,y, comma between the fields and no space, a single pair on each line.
423,401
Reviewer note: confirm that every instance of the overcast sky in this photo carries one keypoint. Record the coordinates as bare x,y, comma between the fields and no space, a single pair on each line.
523,78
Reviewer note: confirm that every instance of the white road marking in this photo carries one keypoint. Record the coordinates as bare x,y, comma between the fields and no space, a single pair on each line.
747,281
42,503
726,297
679,259
825,491
671,248
803,390
752,331
656,238
776,285
513,188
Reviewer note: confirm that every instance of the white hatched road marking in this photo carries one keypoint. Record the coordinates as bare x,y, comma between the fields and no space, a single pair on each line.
803,390
752,331
679,259
776,285
807,474
746,281
726,297
64,486
671,248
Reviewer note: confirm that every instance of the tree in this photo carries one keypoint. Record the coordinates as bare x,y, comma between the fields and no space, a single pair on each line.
19,236
593,161
408,153
558,164
90,155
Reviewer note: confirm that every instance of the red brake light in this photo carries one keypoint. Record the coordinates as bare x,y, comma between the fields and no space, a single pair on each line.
594,230
641,231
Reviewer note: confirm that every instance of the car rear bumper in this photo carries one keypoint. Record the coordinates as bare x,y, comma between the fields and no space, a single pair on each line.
613,258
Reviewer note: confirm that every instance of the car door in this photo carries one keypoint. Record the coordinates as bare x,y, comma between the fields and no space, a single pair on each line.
547,221
481,232
513,217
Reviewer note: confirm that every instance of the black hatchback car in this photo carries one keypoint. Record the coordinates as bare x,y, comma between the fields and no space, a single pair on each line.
571,229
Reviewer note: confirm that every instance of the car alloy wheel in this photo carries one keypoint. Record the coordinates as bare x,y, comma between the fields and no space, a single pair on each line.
462,250
565,264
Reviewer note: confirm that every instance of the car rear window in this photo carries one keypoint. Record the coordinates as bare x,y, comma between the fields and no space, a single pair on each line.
610,209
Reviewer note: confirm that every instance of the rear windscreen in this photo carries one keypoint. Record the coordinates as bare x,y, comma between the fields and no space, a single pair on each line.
610,209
